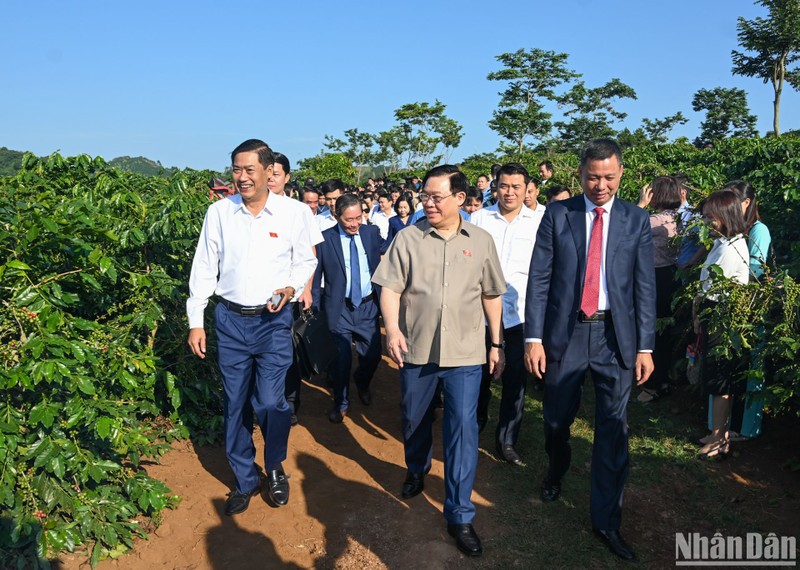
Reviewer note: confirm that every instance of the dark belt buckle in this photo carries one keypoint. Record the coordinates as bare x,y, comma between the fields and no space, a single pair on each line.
251,311
596,317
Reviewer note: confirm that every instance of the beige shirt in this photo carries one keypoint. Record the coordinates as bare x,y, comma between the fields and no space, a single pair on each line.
440,283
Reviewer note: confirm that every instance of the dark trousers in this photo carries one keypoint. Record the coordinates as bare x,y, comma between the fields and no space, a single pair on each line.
460,386
515,383
359,325
593,346
262,343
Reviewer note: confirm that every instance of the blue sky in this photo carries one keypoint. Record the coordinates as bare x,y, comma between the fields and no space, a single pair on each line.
185,82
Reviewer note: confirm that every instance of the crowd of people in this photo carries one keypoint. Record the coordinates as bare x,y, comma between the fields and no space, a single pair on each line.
473,284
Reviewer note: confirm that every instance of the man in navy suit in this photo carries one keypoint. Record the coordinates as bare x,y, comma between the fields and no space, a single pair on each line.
591,306
346,260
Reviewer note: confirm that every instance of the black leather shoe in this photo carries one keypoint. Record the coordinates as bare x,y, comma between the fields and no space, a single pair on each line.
365,396
550,491
278,487
238,502
413,485
508,453
336,415
466,539
615,543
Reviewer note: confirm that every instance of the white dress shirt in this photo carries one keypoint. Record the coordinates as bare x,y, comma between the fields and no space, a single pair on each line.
514,242
325,221
733,257
244,258
382,221
602,302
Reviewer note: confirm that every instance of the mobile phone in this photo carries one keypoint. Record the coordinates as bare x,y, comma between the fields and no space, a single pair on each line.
276,299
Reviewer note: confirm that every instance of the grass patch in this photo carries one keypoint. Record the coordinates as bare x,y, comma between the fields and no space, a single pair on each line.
669,490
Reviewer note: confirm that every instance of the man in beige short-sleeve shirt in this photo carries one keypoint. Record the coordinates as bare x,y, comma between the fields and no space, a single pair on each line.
441,278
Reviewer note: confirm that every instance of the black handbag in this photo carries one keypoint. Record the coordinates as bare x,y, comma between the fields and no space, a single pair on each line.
314,349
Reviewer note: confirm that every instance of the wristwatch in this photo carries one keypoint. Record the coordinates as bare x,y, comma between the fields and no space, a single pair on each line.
499,345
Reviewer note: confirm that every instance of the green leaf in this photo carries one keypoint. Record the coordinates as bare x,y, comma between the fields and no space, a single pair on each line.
17,264
103,427
86,386
105,264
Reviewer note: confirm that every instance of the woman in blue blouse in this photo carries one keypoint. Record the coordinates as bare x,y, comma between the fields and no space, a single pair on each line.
404,208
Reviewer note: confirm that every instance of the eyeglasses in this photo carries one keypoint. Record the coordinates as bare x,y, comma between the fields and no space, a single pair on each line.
437,199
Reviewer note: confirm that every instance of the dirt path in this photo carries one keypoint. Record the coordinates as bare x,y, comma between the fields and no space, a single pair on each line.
344,509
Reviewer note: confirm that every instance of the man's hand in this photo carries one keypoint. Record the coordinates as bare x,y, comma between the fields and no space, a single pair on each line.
497,362
197,342
396,345
306,299
287,292
644,367
535,359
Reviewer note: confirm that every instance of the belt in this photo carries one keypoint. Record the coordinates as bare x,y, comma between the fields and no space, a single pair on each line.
369,297
598,316
252,311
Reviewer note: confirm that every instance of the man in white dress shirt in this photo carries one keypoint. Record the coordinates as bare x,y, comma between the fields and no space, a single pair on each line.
255,256
513,227
385,211
331,189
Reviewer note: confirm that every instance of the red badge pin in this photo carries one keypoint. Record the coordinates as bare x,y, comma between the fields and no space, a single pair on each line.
273,234
468,253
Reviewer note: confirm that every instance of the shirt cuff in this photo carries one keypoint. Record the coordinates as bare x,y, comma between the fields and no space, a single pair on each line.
645,351
534,340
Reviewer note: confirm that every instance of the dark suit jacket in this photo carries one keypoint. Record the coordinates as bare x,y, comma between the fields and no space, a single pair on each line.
557,270
330,260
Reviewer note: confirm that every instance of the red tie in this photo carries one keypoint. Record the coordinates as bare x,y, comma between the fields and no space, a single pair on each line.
591,281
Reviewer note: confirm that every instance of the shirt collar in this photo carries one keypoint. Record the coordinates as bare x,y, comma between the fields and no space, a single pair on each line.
428,229
343,233
590,206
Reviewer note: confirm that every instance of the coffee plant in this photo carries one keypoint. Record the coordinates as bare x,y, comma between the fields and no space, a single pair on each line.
93,366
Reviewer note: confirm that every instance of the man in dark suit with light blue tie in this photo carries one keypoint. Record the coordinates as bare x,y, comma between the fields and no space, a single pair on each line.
591,306
346,260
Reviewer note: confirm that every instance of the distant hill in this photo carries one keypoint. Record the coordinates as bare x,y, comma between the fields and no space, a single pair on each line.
141,165
10,161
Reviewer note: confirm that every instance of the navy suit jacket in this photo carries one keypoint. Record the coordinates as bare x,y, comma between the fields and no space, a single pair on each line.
330,263
557,270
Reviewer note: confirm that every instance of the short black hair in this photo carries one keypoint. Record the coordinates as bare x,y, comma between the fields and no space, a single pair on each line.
281,159
547,164
346,201
553,190
600,149
332,185
473,194
265,155
513,168
458,181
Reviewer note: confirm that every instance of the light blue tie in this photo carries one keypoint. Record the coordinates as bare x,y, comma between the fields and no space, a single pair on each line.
355,273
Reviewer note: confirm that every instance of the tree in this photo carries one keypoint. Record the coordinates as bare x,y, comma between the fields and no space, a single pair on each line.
727,114
327,165
590,112
359,148
426,134
657,129
775,44
532,76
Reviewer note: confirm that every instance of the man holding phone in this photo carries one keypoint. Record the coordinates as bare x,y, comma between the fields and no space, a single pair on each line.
256,257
